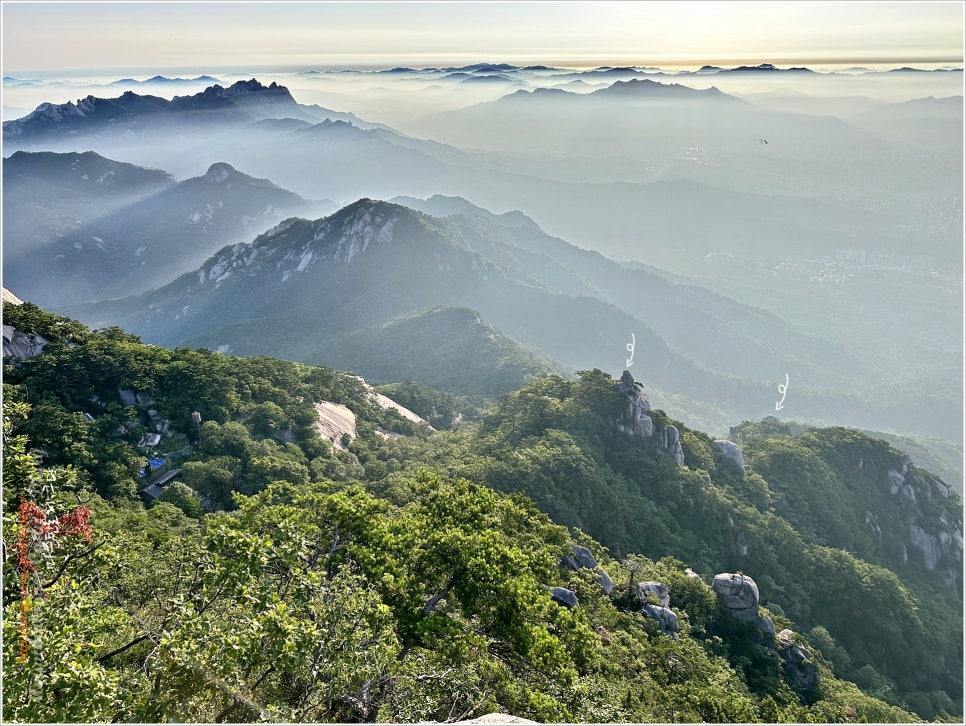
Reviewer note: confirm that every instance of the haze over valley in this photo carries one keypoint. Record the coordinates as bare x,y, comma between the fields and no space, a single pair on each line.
828,203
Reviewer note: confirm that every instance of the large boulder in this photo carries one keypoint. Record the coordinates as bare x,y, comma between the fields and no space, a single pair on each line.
738,594
584,557
658,590
667,621
606,583
563,596
731,454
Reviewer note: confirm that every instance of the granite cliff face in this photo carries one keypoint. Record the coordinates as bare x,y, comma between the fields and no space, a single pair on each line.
18,345
927,507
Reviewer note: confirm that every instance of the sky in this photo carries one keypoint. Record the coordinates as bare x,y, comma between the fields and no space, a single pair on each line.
44,36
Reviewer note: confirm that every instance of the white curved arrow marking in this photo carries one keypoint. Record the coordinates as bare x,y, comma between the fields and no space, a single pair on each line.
782,390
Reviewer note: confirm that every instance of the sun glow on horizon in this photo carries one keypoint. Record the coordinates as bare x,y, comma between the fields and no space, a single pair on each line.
51,36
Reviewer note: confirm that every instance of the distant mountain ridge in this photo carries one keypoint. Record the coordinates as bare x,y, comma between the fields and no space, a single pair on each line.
620,71
241,102
163,80
142,240
241,99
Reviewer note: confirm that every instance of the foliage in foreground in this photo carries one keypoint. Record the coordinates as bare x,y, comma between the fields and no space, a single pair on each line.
286,579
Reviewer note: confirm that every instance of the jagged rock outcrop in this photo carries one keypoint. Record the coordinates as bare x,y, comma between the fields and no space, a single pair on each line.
672,444
931,527
22,346
634,419
797,665
667,621
897,478
731,454
937,547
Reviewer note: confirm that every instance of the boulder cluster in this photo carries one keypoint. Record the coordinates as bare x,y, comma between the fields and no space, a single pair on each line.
582,558
738,594
651,591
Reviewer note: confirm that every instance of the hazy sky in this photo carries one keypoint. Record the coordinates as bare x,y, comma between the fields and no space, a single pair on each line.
73,35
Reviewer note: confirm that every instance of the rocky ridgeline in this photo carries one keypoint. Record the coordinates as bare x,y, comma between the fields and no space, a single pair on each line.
250,97
636,420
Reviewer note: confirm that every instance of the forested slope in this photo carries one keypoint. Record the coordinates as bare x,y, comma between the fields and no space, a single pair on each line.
407,575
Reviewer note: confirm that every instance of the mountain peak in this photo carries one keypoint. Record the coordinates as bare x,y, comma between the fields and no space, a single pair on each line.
253,85
218,172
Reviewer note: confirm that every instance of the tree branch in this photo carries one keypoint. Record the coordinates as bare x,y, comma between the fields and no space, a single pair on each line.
434,600
67,561
332,549
118,651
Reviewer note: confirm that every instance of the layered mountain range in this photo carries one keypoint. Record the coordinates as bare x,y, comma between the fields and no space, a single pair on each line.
312,290
740,259
855,551
813,241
